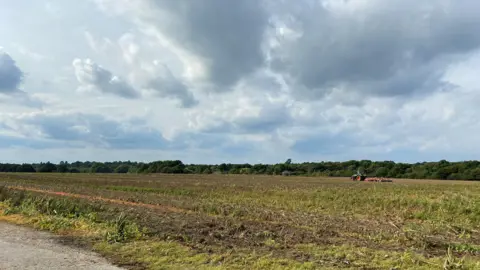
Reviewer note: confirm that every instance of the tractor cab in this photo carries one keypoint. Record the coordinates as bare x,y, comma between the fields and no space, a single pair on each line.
358,176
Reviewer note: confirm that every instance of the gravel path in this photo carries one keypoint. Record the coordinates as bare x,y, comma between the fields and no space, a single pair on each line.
24,248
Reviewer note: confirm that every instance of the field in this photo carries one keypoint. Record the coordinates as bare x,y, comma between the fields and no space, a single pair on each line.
253,222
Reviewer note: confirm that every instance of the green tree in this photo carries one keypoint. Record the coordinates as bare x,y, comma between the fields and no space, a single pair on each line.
62,168
47,167
382,172
100,168
222,168
124,168
25,168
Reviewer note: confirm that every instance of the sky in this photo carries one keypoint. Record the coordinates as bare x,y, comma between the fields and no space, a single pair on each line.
258,81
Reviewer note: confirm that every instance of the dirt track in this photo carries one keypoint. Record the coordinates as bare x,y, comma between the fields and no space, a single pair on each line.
23,248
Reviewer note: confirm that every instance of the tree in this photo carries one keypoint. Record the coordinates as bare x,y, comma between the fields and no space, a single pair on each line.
25,168
62,168
475,174
381,172
467,170
47,167
223,168
279,168
100,168
124,168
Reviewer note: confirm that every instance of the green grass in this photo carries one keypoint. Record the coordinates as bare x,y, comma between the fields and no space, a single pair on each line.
171,255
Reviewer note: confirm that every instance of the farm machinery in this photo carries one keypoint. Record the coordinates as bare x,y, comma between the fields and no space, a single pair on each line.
363,177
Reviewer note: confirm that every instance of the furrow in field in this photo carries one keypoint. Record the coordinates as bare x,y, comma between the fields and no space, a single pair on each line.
97,198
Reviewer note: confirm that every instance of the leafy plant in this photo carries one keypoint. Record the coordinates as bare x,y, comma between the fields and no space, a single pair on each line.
123,230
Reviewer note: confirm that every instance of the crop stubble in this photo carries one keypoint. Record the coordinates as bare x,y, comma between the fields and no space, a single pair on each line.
277,215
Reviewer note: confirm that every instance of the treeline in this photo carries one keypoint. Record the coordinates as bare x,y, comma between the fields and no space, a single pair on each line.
465,170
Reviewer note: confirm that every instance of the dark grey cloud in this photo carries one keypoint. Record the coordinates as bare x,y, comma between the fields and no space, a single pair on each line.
10,74
90,74
380,48
92,129
166,85
227,34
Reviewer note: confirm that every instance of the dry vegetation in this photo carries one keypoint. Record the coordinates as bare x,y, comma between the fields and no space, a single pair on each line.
255,222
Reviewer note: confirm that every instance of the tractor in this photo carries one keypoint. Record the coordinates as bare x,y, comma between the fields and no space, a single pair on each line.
358,176
363,177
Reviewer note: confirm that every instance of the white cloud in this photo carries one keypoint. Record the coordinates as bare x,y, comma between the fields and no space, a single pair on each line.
129,48
29,53
148,74
52,9
91,75
247,81
96,45
23,99
214,39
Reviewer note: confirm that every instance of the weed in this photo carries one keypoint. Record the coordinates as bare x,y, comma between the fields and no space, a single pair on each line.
451,262
123,230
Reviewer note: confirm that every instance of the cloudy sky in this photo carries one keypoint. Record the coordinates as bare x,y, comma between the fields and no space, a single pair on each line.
211,81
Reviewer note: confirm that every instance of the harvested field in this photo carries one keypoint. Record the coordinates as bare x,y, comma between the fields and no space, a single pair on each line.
265,222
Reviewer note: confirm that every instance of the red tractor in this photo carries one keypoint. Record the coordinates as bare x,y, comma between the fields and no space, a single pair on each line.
358,177
362,177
